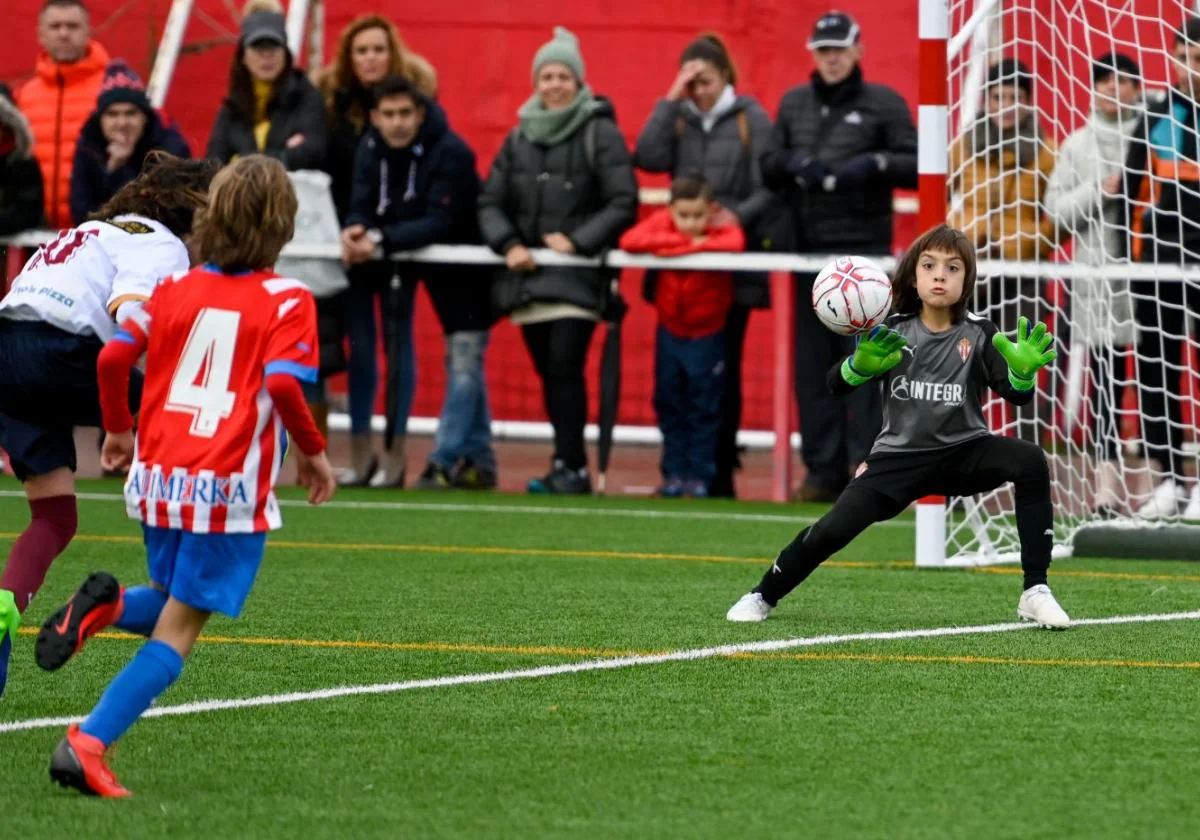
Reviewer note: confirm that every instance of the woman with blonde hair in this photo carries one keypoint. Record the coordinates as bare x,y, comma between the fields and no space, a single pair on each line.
369,50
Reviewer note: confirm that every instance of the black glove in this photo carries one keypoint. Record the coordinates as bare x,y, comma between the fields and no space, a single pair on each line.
859,170
807,170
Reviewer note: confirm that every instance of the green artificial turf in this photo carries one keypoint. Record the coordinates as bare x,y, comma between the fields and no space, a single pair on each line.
1088,733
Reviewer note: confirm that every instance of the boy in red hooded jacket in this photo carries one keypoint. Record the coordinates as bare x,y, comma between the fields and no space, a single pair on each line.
689,367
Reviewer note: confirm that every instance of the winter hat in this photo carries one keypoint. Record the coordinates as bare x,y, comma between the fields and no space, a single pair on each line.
1010,71
1114,62
121,84
563,48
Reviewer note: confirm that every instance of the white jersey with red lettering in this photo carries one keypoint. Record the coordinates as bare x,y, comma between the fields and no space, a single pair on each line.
209,442
77,281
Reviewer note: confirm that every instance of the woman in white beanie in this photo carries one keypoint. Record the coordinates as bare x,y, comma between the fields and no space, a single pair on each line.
562,180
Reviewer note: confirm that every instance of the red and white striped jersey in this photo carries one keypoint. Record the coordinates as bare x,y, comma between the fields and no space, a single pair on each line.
210,442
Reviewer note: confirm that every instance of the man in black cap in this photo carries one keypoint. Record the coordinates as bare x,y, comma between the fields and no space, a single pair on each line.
839,148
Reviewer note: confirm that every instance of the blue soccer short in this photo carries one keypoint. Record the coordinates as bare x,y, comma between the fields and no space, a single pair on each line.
211,572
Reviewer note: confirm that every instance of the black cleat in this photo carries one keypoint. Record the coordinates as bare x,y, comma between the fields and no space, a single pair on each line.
96,605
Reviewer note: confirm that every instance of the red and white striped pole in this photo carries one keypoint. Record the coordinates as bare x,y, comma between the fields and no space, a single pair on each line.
782,305
933,138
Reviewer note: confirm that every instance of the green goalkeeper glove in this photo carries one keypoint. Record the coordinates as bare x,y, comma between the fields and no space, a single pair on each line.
879,352
1028,355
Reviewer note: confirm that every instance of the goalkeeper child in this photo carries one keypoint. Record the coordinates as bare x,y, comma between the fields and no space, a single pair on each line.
934,360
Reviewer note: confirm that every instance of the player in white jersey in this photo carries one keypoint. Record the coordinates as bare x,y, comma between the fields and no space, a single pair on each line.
54,321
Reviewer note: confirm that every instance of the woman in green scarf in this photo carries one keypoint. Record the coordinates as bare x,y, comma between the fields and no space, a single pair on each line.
562,180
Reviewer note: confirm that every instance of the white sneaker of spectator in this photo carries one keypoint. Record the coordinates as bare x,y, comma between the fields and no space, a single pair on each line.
1165,501
1192,512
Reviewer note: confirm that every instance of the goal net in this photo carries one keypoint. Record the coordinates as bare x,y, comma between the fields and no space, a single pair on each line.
1047,99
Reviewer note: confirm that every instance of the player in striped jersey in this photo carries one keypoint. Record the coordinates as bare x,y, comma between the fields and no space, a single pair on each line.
226,345
53,323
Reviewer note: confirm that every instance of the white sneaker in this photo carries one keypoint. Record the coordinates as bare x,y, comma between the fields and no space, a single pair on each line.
750,607
1037,604
1165,501
1192,512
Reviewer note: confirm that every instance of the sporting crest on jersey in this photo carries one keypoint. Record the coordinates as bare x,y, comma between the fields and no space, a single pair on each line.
130,226
964,350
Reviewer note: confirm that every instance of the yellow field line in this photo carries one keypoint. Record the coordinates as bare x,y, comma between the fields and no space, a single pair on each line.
367,644
555,650
501,550
489,550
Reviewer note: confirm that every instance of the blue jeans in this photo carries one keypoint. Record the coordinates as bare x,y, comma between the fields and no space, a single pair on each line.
689,383
368,283
465,427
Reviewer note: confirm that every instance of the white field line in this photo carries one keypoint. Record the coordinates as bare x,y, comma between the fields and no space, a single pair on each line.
589,665
539,510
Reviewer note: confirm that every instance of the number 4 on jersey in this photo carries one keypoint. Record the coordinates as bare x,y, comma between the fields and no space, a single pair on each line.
200,386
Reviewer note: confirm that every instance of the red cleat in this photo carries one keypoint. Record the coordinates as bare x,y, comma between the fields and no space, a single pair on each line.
78,762
98,603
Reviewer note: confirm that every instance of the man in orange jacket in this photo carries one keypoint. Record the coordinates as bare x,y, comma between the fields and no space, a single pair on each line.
61,96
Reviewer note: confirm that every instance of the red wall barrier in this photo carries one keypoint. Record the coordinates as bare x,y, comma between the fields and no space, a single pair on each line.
483,51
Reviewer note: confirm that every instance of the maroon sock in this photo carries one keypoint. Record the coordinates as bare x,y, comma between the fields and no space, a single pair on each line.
54,521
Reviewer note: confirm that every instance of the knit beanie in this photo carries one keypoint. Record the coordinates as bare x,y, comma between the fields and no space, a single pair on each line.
121,84
563,48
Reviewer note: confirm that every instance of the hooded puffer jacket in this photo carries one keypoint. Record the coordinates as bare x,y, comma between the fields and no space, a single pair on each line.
57,101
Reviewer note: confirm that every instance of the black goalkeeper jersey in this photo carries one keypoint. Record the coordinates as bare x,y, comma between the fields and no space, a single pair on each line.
934,398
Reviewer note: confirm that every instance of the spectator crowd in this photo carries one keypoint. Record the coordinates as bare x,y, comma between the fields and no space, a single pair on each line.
819,178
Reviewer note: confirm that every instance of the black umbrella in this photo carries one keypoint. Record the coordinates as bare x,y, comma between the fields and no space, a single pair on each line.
395,311
610,378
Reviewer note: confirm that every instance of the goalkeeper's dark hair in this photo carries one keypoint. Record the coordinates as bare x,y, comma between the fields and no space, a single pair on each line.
169,190
689,187
905,300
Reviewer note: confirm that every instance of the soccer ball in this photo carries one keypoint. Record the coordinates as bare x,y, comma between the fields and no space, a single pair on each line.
852,295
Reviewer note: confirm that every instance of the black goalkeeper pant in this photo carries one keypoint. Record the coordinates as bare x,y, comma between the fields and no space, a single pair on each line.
891,482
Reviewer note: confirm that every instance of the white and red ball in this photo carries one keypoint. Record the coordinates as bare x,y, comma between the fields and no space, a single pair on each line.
852,295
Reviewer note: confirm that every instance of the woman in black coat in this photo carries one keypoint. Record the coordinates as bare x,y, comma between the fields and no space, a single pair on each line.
115,141
562,180
271,108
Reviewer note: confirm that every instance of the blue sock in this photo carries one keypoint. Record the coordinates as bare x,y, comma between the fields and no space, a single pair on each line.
5,651
142,606
149,674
